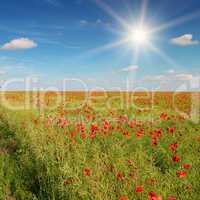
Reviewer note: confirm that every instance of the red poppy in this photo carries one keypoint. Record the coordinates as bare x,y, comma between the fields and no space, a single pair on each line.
123,198
171,198
176,158
132,124
171,130
139,189
173,146
120,176
140,133
163,116
181,174
74,133
153,196
86,172
92,135
83,135
186,166
154,142
130,162
93,128
131,175
126,134
106,124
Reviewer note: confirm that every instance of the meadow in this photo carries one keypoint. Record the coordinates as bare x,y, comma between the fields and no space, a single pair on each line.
100,146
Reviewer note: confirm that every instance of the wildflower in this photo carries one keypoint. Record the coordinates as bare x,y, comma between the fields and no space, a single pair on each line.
176,158
123,198
130,162
120,176
152,196
74,133
140,133
86,172
83,135
93,128
154,142
163,116
181,174
139,189
171,130
106,125
173,147
126,134
132,124
131,175
92,135
171,198
186,166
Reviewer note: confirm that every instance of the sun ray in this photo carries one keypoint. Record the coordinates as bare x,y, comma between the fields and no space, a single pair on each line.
136,54
112,13
144,6
139,34
163,55
176,22
104,48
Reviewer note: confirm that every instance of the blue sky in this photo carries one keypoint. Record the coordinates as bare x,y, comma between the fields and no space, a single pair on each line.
57,39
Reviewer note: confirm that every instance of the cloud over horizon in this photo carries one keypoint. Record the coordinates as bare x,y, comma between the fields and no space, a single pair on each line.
130,68
20,43
184,40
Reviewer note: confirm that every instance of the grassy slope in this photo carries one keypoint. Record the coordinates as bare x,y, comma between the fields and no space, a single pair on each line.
38,161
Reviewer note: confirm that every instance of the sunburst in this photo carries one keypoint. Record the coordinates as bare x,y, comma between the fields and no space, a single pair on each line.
140,35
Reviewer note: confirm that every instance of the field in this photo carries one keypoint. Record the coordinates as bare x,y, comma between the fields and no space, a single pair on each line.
100,146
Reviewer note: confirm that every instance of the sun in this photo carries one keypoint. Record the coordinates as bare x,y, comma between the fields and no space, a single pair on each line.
139,35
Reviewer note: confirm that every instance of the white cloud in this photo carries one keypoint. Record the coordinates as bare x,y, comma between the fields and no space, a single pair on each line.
169,76
184,40
83,22
154,78
171,71
130,68
97,23
2,72
20,43
184,77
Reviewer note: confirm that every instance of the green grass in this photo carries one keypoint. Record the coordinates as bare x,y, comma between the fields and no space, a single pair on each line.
45,163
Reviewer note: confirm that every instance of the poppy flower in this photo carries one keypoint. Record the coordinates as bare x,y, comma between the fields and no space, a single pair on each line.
123,198
126,134
181,174
163,116
131,175
152,196
130,162
171,198
186,166
92,135
83,135
86,172
173,147
154,142
120,176
176,158
132,124
171,130
93,128
139,189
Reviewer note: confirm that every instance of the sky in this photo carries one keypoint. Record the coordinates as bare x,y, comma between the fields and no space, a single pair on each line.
87,44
